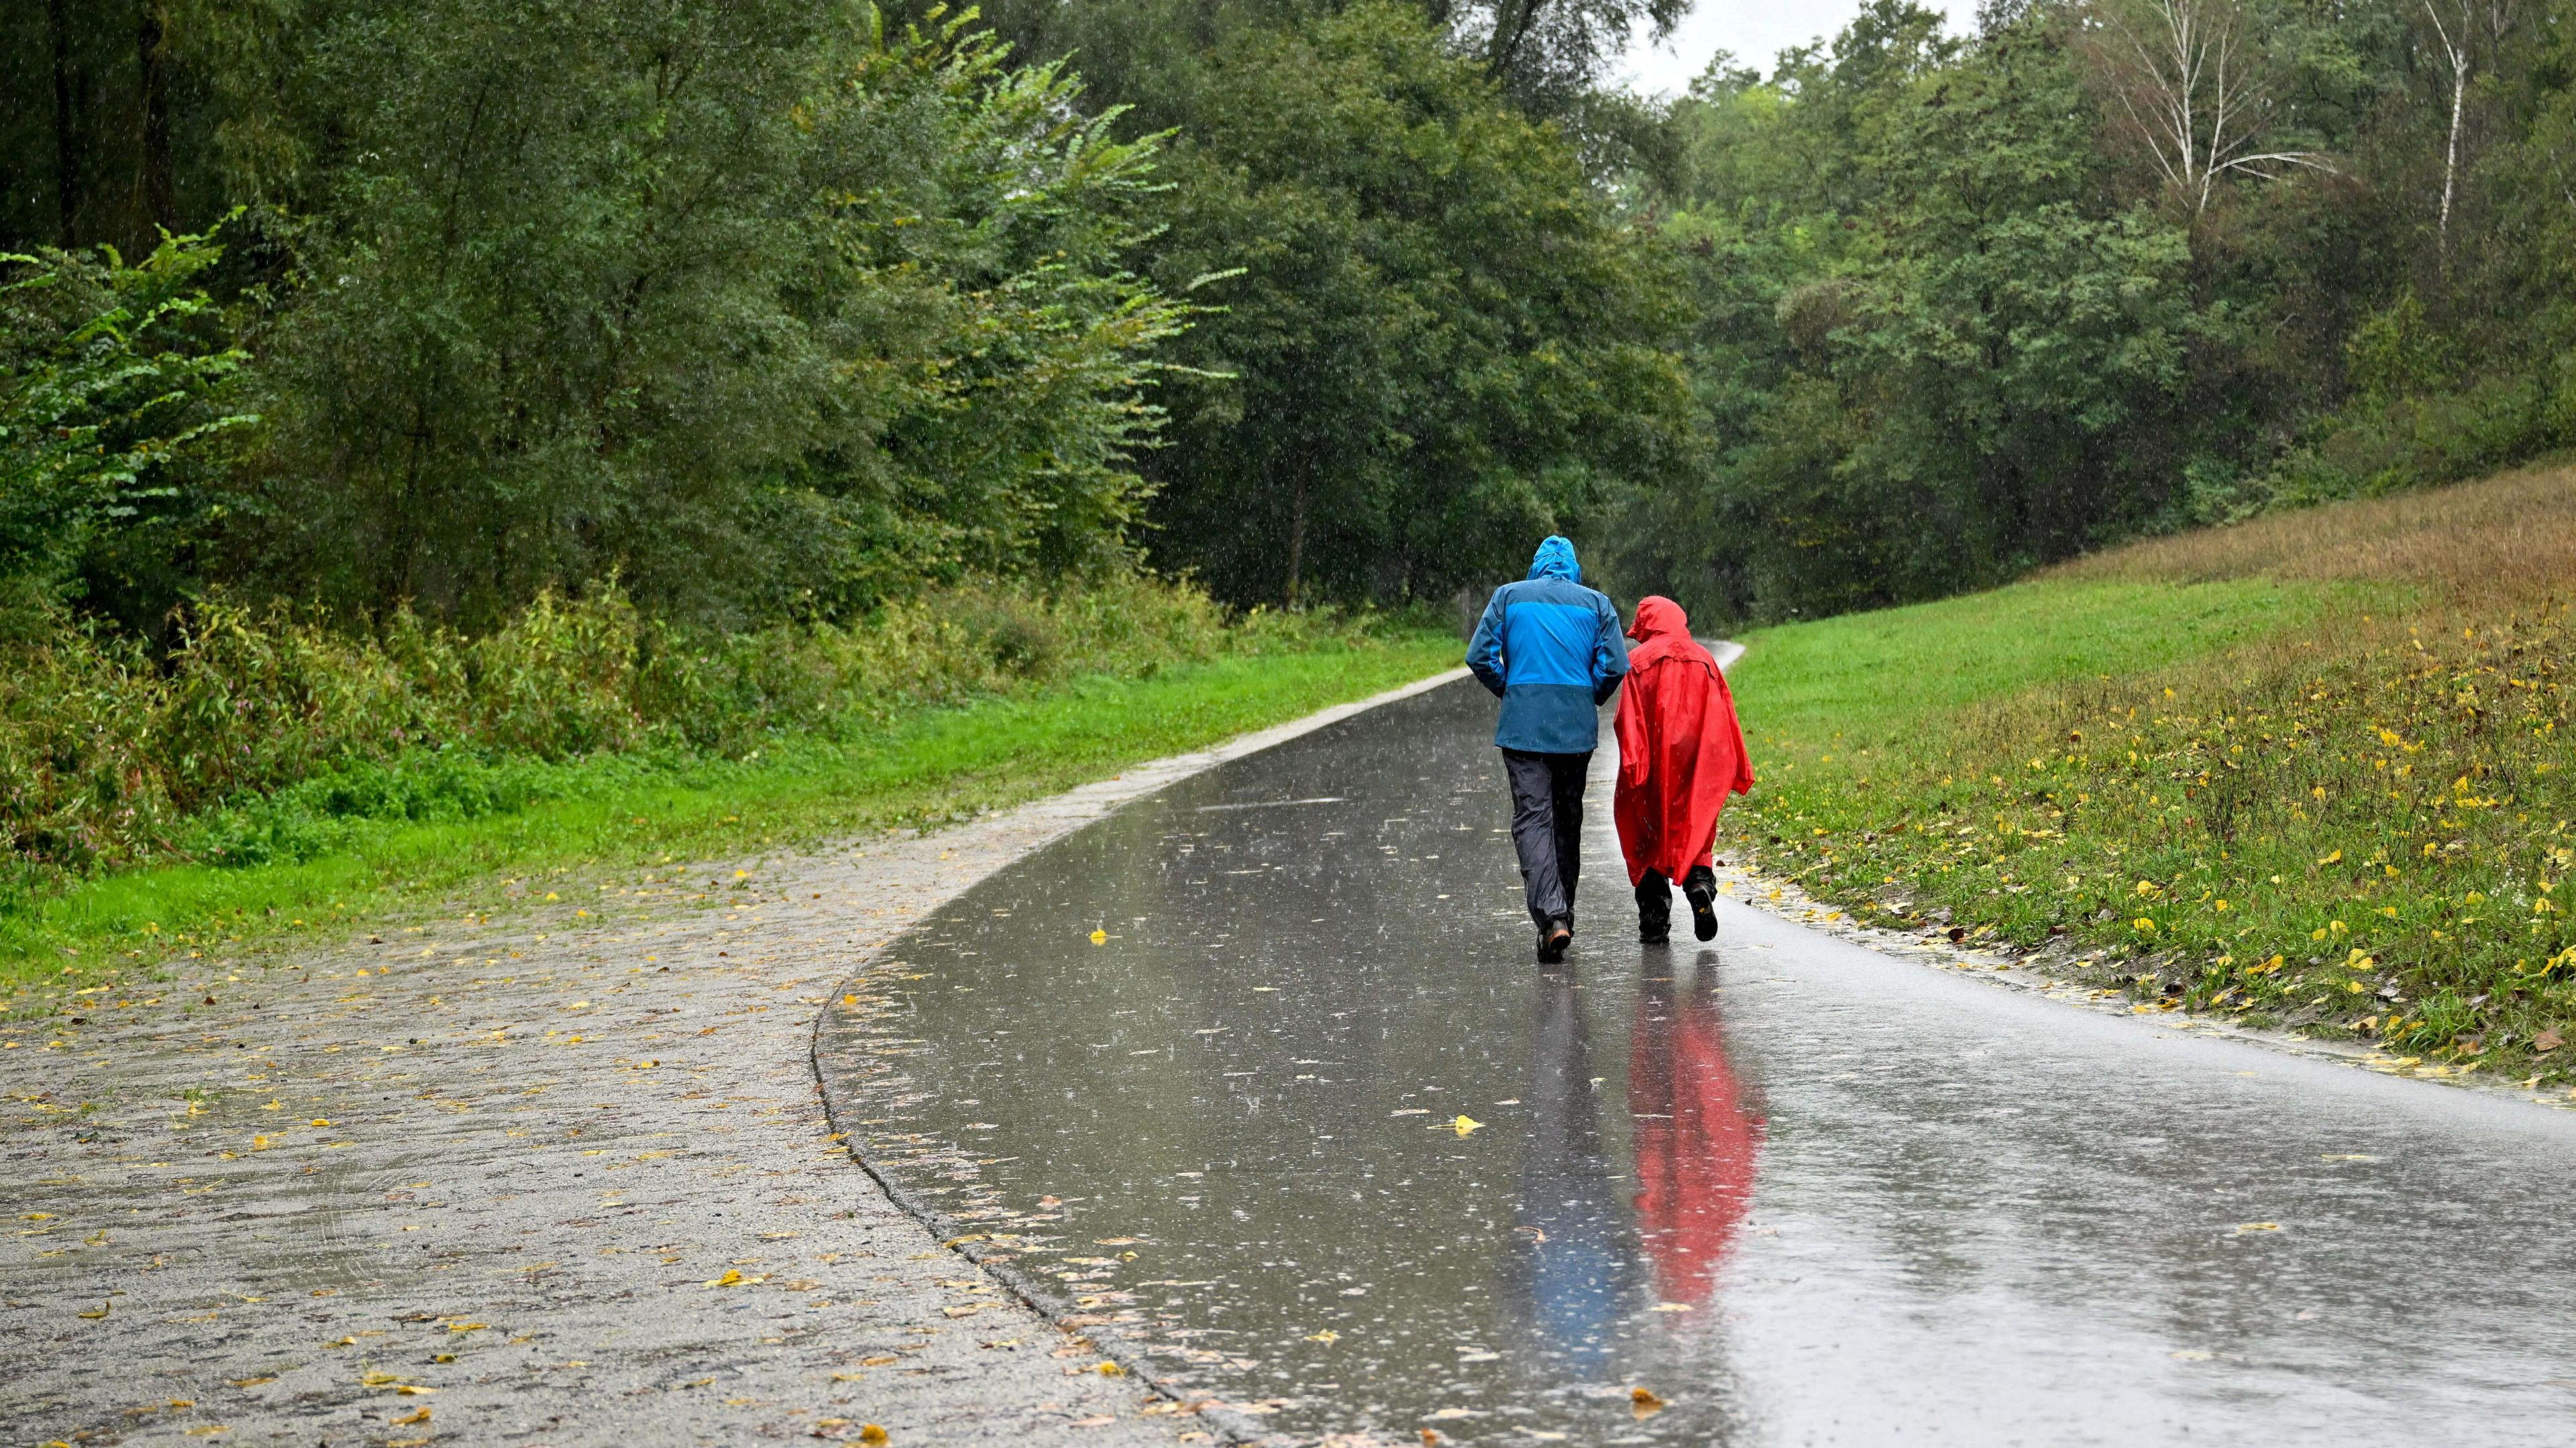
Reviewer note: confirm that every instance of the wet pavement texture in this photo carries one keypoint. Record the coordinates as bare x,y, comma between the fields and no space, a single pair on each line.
1305,1133
562,1180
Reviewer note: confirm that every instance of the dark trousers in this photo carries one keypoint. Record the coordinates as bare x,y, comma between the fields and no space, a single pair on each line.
1547,828
1655,898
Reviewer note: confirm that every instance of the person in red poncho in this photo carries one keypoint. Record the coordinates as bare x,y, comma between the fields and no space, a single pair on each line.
1681,753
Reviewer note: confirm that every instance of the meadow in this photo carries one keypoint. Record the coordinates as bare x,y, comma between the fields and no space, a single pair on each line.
2305,770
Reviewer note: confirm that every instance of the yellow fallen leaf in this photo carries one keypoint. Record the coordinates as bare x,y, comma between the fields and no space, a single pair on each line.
1100,937
253,1382
1643,1403
1327,1337
1673,1307
1466,1124
467,1326
2258,1226
417,1415
1110,1370
871,1433
879,1361
95,1316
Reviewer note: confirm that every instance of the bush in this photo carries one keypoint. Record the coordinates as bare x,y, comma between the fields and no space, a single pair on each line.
260,727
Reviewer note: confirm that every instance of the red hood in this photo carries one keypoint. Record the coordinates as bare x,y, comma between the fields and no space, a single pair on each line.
1658,616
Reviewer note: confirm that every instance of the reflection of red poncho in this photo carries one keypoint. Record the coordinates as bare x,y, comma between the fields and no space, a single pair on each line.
1681,751
1698,1144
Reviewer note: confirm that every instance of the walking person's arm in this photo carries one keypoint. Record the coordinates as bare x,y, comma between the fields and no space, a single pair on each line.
1485,649
1609,655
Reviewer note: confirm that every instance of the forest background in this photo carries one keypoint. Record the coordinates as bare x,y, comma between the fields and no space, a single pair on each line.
547,378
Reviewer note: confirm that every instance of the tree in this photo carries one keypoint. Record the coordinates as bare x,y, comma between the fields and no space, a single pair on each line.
762,308
1430,341
2193,93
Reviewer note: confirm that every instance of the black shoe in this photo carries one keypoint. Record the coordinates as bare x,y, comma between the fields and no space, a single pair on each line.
1703,903
1553,941
1654,935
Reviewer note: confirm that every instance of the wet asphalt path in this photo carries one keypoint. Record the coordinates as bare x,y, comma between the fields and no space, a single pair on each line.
1798,1191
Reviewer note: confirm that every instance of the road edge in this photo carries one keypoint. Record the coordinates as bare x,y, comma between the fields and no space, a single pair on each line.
1058,816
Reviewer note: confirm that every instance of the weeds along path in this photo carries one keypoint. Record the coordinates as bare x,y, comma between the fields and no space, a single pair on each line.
566,1176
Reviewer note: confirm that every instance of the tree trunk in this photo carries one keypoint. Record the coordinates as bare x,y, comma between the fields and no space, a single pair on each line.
1296,537
160,193
2451,154
1505,51
66,144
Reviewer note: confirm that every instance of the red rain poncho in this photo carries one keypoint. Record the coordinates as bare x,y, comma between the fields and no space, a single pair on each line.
1681,751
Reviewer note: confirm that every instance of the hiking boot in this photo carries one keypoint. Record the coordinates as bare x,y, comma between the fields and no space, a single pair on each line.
1703,903
1553,941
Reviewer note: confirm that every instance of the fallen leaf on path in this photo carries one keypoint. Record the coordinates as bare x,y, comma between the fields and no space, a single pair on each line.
1644,1404
1465,1124
2547,1041
253,1382
1096,1420
417,1415
2244,1227
871,1433
1100,937
95,1316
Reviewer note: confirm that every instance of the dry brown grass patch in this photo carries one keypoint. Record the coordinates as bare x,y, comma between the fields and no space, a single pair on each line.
2506,542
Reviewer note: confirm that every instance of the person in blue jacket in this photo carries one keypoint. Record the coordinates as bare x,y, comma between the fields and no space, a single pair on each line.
1551,649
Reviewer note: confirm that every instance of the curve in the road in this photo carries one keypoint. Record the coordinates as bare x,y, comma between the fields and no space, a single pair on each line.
1304,1131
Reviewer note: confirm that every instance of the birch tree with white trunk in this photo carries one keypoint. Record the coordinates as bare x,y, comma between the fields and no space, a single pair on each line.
2459,50
2190,88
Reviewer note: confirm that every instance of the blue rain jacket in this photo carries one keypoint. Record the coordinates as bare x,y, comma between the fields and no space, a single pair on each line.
1552,649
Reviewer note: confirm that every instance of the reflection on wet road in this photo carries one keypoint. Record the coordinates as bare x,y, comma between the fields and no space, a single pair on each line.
1309,1133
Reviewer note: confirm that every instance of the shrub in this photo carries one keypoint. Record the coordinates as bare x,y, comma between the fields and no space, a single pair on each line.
260,727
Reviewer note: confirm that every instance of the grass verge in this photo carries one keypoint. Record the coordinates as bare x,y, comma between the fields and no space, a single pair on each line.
549,821
2310,771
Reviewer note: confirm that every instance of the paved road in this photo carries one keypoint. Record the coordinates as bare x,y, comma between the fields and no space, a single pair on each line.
565,1180
1796,1191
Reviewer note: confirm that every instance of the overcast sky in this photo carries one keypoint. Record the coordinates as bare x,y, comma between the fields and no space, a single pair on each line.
1755,30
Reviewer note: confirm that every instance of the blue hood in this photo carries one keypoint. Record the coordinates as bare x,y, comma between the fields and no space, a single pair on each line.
1555,559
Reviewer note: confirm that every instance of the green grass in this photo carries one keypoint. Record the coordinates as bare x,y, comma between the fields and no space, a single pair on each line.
2335,802
617,812
1889,677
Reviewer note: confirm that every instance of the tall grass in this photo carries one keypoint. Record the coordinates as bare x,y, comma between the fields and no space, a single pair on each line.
113,757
